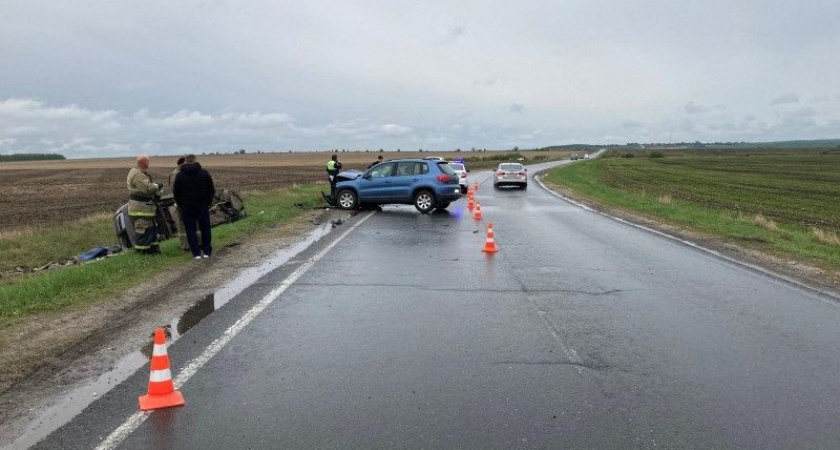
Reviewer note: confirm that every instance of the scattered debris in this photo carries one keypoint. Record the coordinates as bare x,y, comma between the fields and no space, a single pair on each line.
336,223
94,253
233,244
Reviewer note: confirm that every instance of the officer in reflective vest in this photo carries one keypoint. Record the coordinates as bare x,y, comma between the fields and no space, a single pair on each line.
333,167
141,206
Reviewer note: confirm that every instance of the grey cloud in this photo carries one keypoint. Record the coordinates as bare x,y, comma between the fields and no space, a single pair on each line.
454,33
804,112
486,82
31,125
785,99
629,124
517,108
694,108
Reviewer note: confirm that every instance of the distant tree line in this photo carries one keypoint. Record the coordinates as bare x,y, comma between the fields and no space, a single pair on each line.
30,157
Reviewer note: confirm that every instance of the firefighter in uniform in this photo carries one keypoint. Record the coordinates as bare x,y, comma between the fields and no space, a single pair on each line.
141,206
333,167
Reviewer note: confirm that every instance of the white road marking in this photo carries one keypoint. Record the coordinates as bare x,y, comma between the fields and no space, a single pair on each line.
135,420
824,296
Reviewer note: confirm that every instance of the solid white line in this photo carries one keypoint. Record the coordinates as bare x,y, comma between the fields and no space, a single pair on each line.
791,283
135,420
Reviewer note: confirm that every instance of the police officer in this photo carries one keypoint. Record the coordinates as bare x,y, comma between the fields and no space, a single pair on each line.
141,206
333,167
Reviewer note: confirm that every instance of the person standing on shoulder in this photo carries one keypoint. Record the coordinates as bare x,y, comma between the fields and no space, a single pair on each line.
333,167
175,171
194,191
141,206
182,236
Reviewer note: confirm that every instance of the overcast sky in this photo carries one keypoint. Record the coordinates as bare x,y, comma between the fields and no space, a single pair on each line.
118,77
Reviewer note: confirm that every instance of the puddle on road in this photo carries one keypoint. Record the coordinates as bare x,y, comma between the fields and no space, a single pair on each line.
72,401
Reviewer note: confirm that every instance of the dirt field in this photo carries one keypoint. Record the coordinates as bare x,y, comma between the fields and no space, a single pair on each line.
40,193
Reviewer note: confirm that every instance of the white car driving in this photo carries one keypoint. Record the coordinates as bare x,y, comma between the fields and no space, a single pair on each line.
510,174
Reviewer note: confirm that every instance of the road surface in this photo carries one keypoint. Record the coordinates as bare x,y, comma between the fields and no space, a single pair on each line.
581,333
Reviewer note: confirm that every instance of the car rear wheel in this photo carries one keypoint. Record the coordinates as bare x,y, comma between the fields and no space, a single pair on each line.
347,199
424,201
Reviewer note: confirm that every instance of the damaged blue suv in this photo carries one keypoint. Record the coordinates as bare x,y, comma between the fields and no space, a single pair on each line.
425,183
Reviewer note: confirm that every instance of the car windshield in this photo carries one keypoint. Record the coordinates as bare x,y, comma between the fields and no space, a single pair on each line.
510,166
456,166
445,168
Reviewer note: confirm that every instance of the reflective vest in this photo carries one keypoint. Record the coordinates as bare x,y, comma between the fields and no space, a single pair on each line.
330,166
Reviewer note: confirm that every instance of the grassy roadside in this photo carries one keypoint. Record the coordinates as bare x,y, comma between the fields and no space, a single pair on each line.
54,290
783,205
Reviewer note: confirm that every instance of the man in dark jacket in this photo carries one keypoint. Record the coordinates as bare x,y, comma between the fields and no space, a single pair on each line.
194,192
378,161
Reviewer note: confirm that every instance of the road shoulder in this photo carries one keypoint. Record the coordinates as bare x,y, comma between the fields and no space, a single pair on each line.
47,356
815,278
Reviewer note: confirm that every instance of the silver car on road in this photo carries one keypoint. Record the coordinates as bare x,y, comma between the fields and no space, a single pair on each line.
510,174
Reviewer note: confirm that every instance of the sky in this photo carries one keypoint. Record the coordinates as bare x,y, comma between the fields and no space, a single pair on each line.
117,77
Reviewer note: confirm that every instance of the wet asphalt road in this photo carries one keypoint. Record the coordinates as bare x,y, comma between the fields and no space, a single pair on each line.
581,332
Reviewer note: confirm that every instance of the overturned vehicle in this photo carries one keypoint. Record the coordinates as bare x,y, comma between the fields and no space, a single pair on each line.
227,207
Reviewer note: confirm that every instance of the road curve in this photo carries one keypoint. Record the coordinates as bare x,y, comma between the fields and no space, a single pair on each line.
581,333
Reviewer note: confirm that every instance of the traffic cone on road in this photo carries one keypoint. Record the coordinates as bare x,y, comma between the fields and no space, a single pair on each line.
470,203
477,212
490,242
162,393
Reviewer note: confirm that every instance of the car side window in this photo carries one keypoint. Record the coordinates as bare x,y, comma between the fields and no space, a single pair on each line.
382,170
407,169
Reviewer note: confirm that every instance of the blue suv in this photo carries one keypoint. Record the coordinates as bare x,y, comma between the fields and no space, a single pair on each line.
425,183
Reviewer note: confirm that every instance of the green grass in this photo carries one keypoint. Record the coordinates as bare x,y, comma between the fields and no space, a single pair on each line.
55,290
771,201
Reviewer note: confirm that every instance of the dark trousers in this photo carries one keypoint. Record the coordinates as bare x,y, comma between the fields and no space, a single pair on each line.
200,217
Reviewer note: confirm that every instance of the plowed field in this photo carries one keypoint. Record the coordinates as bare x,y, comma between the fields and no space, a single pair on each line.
43,193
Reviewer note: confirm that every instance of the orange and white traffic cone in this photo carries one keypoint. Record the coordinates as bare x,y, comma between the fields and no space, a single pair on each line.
162,393
470,203
477,213
490,243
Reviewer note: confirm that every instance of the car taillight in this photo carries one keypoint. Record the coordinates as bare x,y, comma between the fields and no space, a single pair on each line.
501,172
521,174
463,174
443,178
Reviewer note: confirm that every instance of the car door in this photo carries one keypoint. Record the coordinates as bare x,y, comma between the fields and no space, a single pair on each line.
375,186
407,175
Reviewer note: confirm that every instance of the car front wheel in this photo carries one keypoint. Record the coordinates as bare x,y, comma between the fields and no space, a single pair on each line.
347,199
424,201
